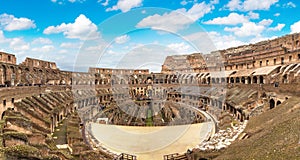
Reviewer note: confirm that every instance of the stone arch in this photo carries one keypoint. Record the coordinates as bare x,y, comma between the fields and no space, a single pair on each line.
213,80
4,74
185,81
223,80
278,103
208,80
249,80
3,114
122,81
237,80
284,78
112,81
254,80
272,103
243,80
261,80
191,79
217,80
231,80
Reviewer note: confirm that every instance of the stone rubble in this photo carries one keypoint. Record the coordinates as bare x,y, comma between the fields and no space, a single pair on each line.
223,138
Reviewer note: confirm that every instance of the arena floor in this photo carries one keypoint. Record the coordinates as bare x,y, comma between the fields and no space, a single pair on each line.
151,142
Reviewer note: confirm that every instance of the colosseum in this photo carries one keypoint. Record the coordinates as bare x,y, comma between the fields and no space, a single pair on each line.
244,99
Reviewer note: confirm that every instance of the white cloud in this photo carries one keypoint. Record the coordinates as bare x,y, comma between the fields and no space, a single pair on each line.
184,2
198,10
265,22
250,5
18,44
289,5
3,39
253,15
224,41
277,14
41,40
214,2
248,29
44,49
231,19
70,45
11,23
122,39
180,48
103,2
62,51
234,5
277,28
176,20
201,41
260,38
172,21
82,29
96,48
125,5
295,28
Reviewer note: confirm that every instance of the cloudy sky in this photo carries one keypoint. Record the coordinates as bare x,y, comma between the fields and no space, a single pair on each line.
137,33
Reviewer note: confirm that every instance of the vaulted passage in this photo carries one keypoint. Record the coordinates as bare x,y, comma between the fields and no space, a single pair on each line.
278,103
272,103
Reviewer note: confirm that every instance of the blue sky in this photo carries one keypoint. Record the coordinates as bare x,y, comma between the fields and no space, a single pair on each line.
137,33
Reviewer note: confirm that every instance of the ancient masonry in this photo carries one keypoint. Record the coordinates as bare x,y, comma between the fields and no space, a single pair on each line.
43,109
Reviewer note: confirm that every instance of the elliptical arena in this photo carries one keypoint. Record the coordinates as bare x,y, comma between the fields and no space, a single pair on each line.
243,95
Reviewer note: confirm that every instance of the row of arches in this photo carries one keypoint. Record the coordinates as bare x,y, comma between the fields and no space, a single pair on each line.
274,104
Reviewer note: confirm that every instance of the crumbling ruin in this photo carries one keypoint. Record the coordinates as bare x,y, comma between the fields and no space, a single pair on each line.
37,98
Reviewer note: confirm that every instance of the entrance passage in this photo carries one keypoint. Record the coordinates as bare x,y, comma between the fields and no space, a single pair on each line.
272,103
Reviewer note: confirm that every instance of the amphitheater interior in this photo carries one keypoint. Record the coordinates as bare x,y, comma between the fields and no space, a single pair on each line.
251,92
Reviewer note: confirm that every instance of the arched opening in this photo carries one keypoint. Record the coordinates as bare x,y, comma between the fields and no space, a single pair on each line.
249,80
222,80
203,81
272,103
278,103
112,82
231,80
3,73
213,80
255,80
3,114
243,80
284,79
297,43
237,80
261,79
217,80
